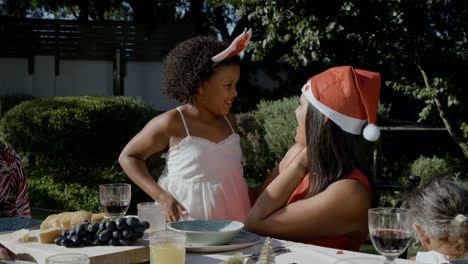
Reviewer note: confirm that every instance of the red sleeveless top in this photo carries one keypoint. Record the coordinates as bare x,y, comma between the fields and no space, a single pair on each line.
341,242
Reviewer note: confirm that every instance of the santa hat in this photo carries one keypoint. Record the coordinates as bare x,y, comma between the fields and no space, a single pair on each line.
347,96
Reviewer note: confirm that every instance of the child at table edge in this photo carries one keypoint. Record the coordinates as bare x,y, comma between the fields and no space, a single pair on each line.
439,210
203,176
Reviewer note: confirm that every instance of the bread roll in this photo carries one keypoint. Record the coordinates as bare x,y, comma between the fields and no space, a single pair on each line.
46,224
57,221
49,235
20,236
79,217
97,217
65,220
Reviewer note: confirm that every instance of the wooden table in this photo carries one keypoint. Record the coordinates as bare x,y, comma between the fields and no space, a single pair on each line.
139,253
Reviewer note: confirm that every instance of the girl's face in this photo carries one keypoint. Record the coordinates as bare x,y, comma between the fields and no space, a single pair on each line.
218,92
301,113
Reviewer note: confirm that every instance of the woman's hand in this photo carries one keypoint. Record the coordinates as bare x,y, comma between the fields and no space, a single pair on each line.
302,159
293,151
173,208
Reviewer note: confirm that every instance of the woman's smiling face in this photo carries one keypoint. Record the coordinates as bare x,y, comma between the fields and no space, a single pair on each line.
218,92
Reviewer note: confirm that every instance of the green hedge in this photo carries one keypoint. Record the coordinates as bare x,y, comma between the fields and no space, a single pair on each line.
278,119
69,145
266,135
63,135
45,193
429,168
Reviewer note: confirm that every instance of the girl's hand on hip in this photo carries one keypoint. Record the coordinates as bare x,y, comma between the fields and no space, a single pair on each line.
173,208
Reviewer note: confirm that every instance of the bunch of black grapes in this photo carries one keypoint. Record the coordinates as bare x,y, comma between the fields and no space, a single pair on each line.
113,232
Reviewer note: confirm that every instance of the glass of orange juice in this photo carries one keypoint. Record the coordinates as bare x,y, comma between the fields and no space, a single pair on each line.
167,247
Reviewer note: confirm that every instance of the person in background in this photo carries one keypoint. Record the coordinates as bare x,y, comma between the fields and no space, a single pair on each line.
440,210
203,178
319,194
14,198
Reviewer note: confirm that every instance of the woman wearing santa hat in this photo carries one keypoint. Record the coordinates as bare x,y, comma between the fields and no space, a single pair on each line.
319,194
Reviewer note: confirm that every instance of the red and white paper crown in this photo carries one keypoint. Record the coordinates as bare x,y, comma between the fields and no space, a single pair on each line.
347,96
237,45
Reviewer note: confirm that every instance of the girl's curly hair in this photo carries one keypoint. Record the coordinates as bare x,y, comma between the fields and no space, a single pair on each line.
189,64
435,207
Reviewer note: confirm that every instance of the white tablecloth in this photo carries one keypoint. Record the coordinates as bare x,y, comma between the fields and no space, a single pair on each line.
300,254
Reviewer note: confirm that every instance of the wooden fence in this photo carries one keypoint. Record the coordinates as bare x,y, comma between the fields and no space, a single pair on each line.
71,39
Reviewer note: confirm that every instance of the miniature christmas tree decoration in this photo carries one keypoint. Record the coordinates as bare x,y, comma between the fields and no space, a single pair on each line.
267,255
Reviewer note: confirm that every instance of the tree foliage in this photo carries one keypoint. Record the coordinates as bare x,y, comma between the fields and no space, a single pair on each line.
206,18
420,47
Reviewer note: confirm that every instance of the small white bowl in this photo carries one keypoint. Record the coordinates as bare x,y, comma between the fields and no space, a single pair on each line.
207,232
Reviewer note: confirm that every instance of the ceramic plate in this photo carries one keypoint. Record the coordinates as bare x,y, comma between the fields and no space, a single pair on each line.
242,240
13,224
207,232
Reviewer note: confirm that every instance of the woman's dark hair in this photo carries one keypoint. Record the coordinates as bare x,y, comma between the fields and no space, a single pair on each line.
189,64
331,152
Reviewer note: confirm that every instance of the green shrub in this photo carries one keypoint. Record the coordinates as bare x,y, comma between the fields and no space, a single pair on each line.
383,113
255,158
278,120
9,101
430,168
64,136
266,134
45,193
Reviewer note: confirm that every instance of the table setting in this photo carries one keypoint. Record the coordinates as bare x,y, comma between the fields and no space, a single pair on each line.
193,241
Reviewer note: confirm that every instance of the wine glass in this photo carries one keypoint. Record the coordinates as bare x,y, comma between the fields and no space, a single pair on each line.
115,198
390,231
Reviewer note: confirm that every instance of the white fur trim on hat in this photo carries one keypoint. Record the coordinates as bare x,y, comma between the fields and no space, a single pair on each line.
348,124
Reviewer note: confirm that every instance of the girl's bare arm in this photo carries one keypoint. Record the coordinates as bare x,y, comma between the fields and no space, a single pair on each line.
154,137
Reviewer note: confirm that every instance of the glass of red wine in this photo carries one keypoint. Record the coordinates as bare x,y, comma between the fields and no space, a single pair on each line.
115,198
390,231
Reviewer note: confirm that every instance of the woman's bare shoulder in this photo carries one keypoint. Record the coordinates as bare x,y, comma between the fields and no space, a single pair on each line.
349,190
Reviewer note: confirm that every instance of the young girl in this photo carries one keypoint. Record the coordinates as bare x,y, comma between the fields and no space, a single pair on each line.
203,177
319,195
440,210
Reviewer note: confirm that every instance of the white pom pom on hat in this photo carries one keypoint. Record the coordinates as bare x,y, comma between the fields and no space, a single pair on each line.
371,132
347,96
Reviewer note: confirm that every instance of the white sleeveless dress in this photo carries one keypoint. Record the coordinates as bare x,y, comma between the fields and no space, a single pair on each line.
207,177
